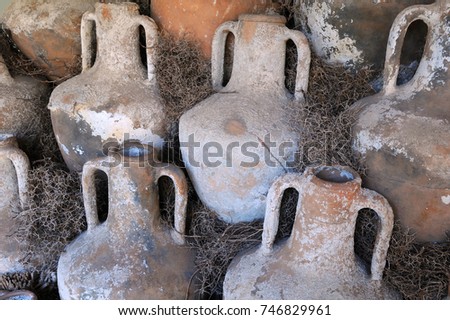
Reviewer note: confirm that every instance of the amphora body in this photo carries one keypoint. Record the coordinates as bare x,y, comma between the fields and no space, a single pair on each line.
317,261
131,255
353,32
236,142
403,133
115,99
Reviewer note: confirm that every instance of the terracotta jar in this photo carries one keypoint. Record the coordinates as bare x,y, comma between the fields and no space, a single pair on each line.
317,261
403,133
199,19
236,142
48,32
22,105
115,98
14,166
131,255
351,32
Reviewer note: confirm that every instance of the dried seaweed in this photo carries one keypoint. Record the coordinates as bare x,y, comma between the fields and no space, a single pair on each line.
43,285
325,119
217,243
55,216
418,271
183,74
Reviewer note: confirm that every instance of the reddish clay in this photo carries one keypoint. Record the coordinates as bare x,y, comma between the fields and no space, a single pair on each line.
199,19
318,260
48,32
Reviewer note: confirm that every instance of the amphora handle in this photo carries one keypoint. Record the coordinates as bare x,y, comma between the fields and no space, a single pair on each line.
5,75
396,38
151,40
218,52
90,192
373,200
178,178
303,62
273,204
88,20
22,165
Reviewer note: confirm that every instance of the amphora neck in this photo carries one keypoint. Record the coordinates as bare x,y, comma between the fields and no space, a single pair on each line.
259,54
325,221
117,37
133,188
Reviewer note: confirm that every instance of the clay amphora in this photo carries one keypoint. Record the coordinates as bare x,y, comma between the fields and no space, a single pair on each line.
48,32
199,19
317,261
351,32
114,99
236,142
403,133
14,166
22,105
131,255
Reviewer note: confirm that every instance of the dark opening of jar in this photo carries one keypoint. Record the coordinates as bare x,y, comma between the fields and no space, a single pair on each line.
136,149
102,195
143,46
334,174
7,140
412,51
290,66
17,295
5,136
